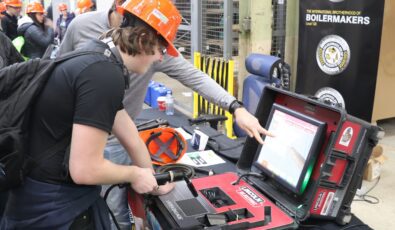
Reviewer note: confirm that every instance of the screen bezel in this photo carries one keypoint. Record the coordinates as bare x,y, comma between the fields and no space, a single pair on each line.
312,154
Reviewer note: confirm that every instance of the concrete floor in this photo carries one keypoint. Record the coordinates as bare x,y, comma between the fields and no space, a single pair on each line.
379,216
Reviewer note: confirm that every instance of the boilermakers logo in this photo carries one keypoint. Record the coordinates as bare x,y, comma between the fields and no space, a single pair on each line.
314,17
333,54
250,196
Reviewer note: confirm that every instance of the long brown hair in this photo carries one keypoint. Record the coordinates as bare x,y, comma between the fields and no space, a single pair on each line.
35,21
135,40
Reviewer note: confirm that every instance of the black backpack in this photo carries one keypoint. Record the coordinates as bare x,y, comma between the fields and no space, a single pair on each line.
20,84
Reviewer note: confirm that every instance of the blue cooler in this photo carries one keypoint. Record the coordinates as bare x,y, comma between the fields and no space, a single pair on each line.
157,91
147,99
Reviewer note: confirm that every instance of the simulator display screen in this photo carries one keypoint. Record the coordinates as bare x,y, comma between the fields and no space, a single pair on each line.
289,156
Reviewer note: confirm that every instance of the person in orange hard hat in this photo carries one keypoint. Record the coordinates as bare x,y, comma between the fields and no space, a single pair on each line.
91,25
9,22
3,8
38,33
160,15
8,53
63,21
63,190
84,6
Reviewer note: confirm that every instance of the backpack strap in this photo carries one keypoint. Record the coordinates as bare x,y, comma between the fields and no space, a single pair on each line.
109,51
115,52
106,48
30,163
78,53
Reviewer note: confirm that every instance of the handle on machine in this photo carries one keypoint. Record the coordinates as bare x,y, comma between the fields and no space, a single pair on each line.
172,176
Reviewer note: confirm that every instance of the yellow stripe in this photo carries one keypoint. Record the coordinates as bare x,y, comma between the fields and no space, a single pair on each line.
196,58
229,122
229,76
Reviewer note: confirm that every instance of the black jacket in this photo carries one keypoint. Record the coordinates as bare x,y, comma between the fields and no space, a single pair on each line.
9,24
36,39
8,54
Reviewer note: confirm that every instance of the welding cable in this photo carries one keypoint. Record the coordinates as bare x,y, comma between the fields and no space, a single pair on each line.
254,174
187,169
109,210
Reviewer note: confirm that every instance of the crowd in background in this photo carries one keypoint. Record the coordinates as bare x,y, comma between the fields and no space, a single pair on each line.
33,31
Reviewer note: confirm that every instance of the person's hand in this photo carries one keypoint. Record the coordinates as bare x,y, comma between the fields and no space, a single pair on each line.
48,23
143,180
250,124
163,189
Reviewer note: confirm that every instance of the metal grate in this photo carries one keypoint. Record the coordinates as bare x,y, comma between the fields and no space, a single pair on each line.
212,34
235,29
183,37
212,28
278,31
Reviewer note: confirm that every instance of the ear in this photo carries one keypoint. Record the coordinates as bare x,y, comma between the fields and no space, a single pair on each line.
142,39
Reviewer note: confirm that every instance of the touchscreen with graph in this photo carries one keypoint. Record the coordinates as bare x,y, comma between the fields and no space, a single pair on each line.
289,156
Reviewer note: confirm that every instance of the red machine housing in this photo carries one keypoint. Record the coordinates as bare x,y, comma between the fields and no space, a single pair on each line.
338,170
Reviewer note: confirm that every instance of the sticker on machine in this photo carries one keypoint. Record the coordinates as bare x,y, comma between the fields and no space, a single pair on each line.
251,197
327,204
333,54
346,136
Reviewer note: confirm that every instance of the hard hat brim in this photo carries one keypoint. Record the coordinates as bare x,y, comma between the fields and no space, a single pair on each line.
14,5
171,49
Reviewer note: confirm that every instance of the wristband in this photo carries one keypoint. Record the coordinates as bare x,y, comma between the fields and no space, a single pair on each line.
235,105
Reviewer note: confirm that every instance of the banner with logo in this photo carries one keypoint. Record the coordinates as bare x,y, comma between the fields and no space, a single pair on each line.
339,45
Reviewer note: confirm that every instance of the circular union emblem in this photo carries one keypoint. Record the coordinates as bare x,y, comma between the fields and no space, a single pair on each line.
331,97
333,54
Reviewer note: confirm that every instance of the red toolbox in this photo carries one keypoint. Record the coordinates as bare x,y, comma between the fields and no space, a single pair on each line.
333,168
311,168
221,204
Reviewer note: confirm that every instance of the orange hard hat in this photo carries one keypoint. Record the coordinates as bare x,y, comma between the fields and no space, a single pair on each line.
2,7
84,4
161,15
14,3
62,6
164,144
34,7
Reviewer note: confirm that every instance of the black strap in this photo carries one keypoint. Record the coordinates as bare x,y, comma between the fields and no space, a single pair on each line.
31,163
97,47
115,52
78,53
163,146
102,48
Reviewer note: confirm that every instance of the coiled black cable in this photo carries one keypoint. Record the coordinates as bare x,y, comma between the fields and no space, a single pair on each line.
188,170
